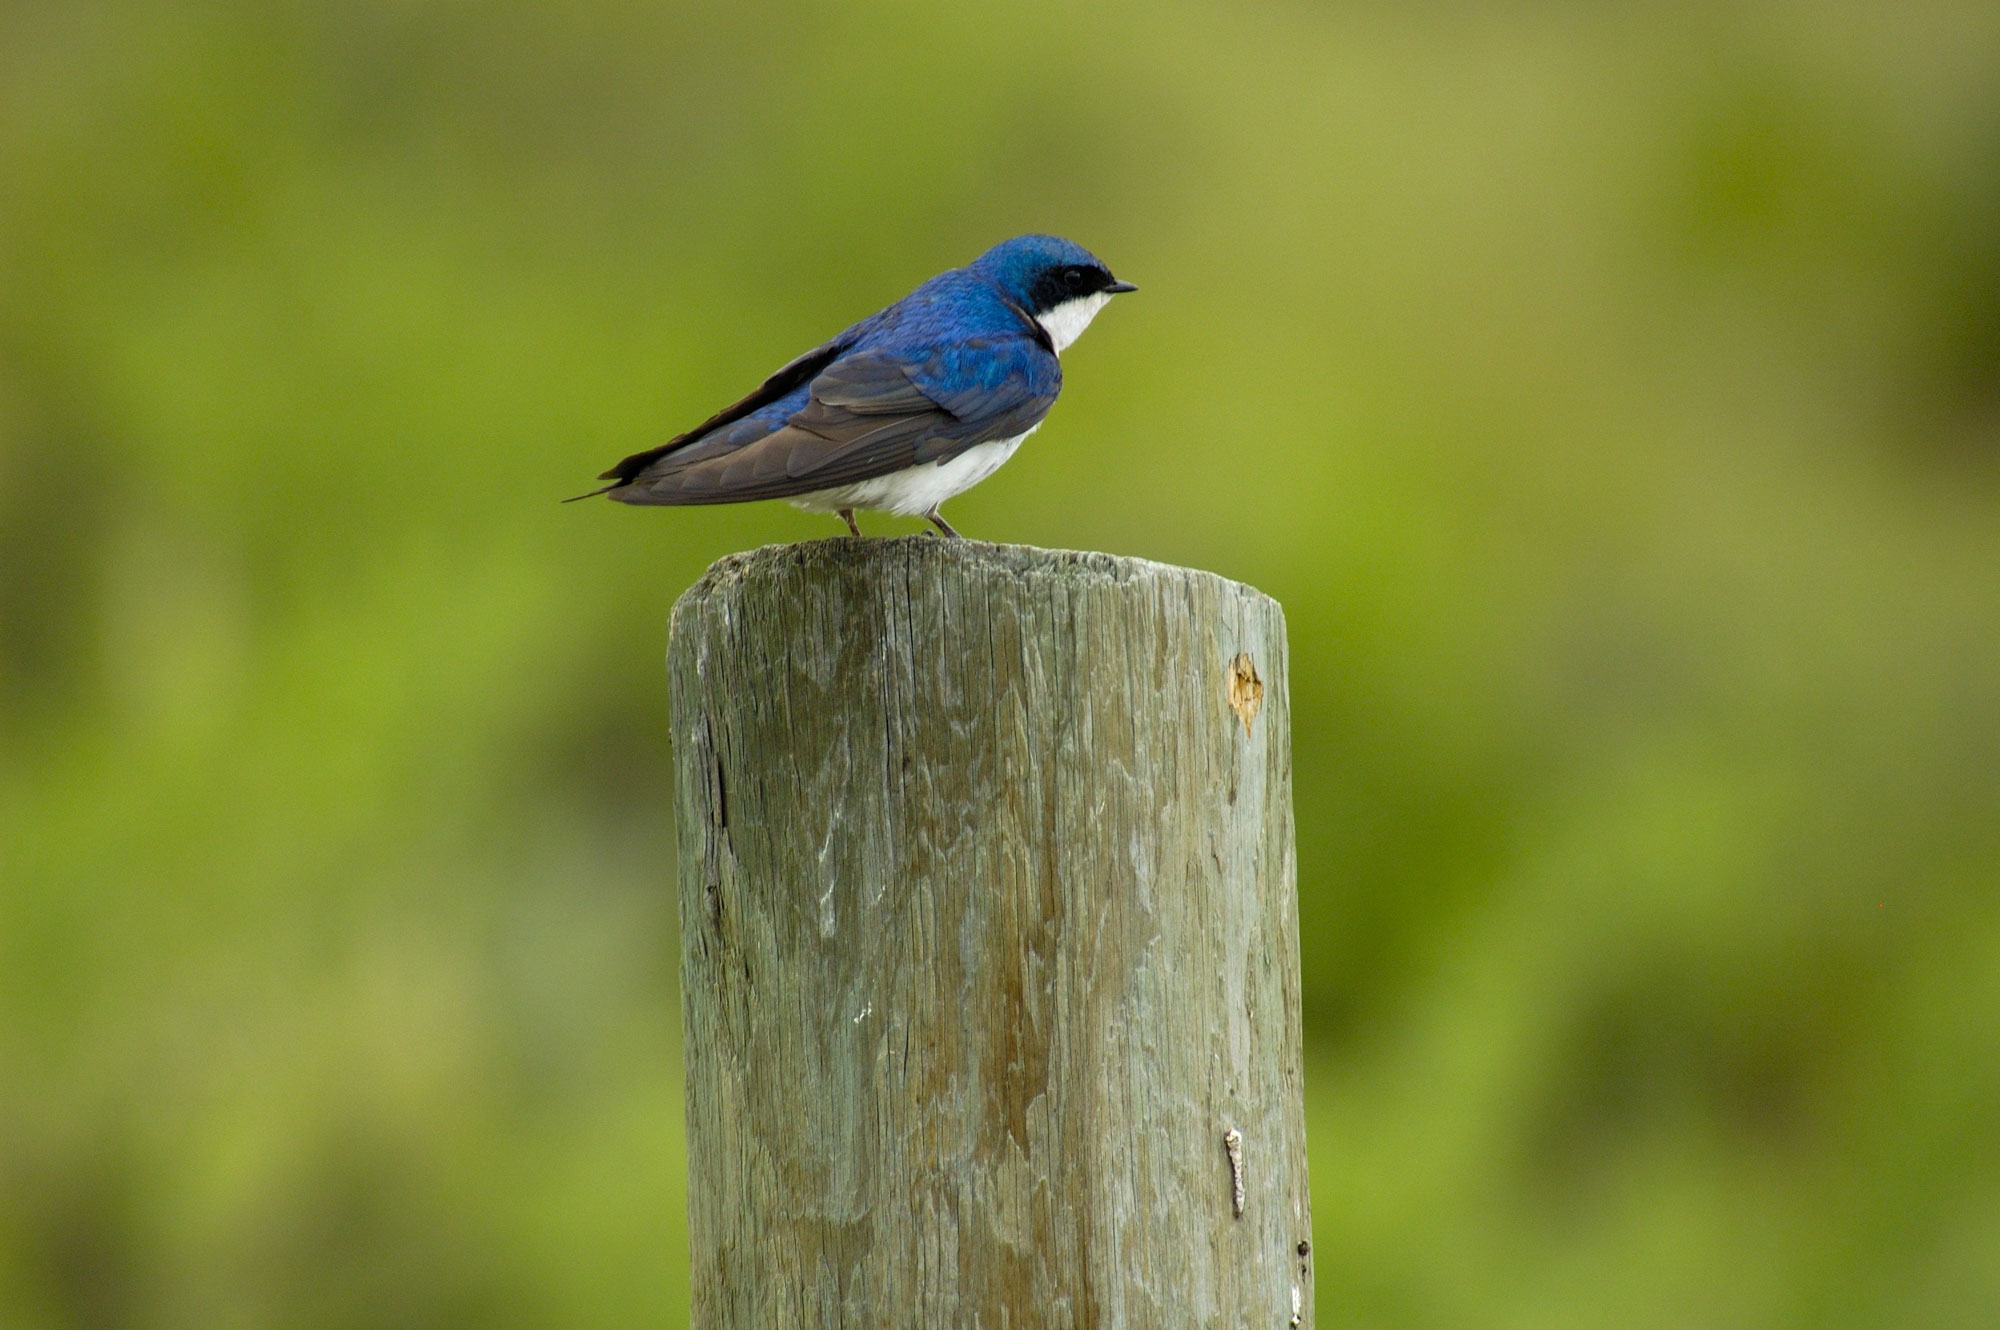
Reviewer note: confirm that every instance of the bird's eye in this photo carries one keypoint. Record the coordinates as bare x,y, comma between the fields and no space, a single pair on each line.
1075,278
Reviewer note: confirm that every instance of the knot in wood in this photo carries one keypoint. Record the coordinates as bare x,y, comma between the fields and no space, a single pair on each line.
1246,690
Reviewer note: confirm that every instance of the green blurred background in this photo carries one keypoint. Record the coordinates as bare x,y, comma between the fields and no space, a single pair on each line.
1611,394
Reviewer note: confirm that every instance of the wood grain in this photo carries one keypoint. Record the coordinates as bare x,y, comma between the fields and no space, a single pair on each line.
989,943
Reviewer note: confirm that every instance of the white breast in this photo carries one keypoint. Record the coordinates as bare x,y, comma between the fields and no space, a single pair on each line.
920,488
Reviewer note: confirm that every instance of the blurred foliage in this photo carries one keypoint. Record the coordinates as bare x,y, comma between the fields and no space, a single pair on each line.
1610,394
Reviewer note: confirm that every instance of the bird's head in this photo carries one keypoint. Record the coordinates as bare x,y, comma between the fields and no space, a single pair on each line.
1058,281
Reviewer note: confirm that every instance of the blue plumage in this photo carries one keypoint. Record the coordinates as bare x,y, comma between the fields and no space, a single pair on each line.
913,404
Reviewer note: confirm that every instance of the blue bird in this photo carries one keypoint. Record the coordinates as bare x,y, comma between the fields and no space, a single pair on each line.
910,406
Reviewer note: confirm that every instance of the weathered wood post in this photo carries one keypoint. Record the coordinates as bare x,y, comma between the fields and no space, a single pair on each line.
989,943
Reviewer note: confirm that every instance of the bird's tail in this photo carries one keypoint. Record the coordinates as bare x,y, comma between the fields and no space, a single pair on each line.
574,498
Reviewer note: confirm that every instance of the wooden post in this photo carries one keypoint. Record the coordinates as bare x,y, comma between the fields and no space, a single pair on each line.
989,943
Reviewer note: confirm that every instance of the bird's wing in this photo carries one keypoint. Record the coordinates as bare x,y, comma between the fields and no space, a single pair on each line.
788,379
867,413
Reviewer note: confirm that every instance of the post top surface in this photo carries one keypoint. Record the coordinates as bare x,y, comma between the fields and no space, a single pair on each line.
904,556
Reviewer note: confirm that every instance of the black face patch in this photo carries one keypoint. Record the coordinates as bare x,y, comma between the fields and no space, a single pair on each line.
1071,281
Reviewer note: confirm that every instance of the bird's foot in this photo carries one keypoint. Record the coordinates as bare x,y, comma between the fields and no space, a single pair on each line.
936,519
847,516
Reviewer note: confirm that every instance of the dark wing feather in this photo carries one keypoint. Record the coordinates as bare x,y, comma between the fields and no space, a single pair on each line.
787,379
869,413
863,408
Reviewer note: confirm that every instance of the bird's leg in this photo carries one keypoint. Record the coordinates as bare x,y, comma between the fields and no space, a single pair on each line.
847,516
936,519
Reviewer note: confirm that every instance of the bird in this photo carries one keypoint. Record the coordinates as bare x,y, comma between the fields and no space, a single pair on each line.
916,403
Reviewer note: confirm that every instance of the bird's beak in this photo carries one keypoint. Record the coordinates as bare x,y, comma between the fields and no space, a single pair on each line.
1119,288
